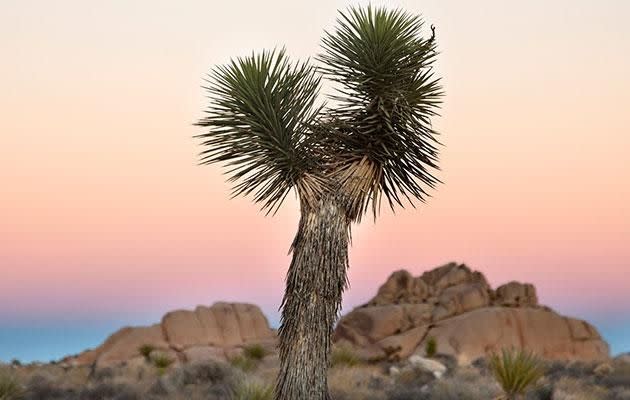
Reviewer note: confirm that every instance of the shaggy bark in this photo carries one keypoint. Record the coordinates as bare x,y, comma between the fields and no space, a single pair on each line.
315,282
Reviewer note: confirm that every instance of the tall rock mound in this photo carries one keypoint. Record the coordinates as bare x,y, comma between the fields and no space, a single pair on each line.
214,332
467,318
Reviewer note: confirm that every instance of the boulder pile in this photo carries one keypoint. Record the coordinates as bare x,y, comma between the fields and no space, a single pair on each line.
452,307
216,332
465,317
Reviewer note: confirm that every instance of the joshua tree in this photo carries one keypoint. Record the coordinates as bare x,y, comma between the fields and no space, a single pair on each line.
373,140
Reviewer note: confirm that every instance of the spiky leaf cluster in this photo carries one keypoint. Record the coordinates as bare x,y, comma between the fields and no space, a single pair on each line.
386,95
376,139
261,109
515,371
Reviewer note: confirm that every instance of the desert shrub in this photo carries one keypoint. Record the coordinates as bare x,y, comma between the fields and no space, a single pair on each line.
109,391
620,393
618,377
414,377
430,347
16,363
253,391
162,362
541,392
219,391
405,393
207,372
243,363
145,351
255,352
343,356
355,395
462,384
361,383
457,389
103,374
10,388
515,371
40,387
572,369
576,389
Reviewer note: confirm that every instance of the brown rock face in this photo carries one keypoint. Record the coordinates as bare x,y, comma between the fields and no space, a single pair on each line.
401,287
124,344
485,330
457,307
517,295
206,332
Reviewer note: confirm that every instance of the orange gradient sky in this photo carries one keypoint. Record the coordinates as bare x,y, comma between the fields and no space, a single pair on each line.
105,214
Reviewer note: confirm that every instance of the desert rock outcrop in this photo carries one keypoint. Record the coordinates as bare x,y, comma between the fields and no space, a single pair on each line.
207,332
467,318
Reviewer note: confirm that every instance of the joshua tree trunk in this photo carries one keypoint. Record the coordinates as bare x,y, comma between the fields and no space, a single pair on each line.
314,285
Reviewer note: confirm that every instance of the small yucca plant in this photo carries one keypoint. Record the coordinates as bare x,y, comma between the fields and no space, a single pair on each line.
253,391
515,371
10,388
430,348
145,350
162,362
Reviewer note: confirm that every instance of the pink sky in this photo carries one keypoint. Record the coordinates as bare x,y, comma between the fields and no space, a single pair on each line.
103,210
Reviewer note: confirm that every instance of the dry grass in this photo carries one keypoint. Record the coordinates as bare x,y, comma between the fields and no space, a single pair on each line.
253,391
255,352
574,389
619,377
360,382
343,356
162,362
243,363
347,381
10,387
464,384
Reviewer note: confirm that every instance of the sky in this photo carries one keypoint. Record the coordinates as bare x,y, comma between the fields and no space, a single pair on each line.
107,220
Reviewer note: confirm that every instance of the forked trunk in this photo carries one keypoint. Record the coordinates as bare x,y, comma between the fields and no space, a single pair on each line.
314,285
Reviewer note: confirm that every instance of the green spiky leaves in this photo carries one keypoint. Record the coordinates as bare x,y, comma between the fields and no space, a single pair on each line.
375,140
387,94
261,109
515,371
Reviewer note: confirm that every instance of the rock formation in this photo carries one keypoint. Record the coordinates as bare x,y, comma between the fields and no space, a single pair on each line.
467,318
451,304
214,332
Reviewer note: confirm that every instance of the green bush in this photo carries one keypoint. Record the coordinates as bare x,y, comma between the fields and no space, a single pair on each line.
430,347
343,356
515,371
145,350
10,388
162,362
253,391
243,363
208,371
255,352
